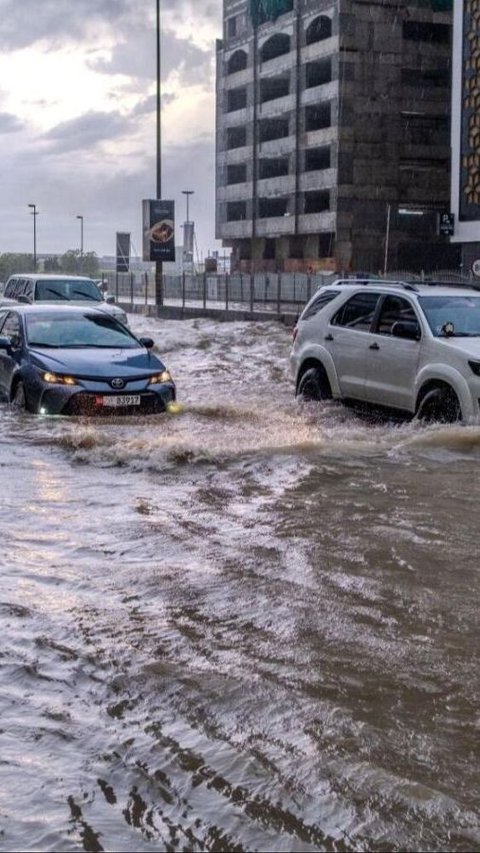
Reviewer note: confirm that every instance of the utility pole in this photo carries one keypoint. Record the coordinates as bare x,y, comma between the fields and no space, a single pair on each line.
158,264
34,214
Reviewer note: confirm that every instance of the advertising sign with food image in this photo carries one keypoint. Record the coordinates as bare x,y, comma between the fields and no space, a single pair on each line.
158,230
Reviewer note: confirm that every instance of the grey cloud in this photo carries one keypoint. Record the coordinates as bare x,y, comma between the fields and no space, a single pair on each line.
9,123
86,131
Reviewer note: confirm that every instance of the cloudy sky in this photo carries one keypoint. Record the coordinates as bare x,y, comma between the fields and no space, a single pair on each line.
78,119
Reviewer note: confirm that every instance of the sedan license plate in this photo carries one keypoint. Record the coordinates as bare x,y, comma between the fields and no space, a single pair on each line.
122,400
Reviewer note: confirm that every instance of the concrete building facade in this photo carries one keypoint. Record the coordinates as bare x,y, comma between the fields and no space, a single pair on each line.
333,134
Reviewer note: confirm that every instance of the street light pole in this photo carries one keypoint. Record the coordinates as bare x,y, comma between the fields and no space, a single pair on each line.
387,240
81,242
188,193
34,213
158,264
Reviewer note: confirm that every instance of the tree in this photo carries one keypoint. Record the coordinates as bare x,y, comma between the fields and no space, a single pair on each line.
72,262
11,263
52,264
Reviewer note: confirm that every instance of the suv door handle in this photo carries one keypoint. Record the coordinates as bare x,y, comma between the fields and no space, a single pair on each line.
329,337
374,346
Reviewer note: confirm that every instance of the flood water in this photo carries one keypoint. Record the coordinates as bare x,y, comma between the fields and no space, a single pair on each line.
251,625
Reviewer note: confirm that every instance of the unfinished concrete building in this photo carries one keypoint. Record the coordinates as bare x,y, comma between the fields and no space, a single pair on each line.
332,137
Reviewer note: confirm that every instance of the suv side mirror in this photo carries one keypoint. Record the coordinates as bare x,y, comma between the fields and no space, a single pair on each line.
110,299
408,329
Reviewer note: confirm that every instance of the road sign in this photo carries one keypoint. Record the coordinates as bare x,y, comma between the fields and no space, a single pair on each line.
446,224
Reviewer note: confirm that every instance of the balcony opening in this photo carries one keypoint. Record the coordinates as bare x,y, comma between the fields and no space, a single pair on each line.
275,46
427,78
237,62
274,87
273,167
317,158
317,116
423,129
325,244
295,247
318,73
236,211
268,207
236,173
236,99
269,250
318,30
273,128
317,202
236,137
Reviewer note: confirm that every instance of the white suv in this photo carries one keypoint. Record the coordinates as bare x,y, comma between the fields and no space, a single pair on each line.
411,347
58,287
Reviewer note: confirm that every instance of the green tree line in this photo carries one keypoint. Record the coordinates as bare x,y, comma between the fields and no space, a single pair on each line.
70,262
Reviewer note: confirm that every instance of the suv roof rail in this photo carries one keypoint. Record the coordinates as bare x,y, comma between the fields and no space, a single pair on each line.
407,285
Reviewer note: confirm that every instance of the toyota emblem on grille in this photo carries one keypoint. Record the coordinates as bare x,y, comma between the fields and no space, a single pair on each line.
117,383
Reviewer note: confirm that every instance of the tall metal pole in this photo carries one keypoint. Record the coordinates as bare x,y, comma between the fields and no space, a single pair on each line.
34,214
188,193
81,241
158,264
387,239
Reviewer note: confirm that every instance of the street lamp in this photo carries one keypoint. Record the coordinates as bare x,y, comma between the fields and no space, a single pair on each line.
34,213
81,241
188,193
158,264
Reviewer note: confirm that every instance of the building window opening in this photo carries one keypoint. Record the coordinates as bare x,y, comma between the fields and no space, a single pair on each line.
425,129
325,244
244,250
317,202
268,207
236,137
426,31
317,158
318,73
319,29
295,247
273,167
236,211
274,87
231,27
237,173
269,250
237,62
317,117
273,128
275,46
236,99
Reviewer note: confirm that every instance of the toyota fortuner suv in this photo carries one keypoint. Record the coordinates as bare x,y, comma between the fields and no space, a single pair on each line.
410,347
58,287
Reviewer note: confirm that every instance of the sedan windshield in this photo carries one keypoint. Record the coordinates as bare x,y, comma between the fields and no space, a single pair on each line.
65,330
67,288
460,312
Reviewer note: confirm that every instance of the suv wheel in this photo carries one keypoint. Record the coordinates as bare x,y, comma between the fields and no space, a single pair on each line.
439,404
314,385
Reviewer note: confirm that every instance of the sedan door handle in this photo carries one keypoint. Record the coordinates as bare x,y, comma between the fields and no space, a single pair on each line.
374,346
329,337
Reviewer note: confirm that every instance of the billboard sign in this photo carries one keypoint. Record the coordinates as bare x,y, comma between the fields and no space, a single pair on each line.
158,230
123,252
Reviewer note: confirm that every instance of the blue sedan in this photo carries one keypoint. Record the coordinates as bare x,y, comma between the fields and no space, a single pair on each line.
78,360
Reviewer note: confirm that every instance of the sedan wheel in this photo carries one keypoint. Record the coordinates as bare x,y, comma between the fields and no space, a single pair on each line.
313,386
19,399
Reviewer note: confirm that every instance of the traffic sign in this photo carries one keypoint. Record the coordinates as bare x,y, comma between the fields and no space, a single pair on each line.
446,224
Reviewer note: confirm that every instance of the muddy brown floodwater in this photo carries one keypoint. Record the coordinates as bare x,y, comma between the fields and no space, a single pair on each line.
252,625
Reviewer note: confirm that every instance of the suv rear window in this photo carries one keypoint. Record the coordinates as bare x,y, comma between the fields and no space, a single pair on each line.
357,313
318,303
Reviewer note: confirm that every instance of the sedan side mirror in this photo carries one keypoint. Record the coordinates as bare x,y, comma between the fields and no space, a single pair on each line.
147,342
408,329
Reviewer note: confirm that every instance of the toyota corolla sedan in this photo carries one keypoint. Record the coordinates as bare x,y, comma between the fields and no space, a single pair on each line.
77,360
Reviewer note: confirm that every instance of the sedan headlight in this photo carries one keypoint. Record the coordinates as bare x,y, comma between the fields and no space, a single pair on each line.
58,378
164,376
475,366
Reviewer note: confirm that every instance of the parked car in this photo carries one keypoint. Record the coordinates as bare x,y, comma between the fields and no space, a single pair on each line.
77,360
410,347
46,287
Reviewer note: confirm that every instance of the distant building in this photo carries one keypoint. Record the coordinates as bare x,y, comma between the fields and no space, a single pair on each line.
333,134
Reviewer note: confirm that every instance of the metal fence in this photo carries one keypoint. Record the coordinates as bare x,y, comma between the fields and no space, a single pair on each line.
278,293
